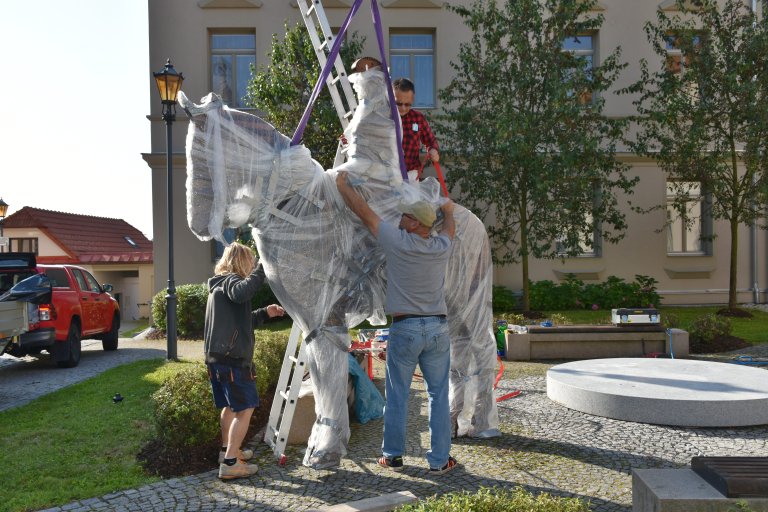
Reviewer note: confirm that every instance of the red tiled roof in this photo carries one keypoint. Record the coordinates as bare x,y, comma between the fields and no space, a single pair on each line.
86,239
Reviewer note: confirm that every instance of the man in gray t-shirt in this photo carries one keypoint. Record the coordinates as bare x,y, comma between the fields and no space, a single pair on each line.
416,265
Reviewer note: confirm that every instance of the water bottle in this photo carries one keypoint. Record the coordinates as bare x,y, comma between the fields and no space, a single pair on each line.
501,338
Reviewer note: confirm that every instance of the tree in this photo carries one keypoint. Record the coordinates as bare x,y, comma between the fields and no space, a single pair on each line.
282,89
531,152
702,113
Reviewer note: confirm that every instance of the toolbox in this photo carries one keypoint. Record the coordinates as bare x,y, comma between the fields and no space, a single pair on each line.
635,316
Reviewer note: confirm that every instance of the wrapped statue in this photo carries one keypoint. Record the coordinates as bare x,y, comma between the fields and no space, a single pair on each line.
322,264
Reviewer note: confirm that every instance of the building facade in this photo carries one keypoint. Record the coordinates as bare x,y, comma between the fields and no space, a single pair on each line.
213,43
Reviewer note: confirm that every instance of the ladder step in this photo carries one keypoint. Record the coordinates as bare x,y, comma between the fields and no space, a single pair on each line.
325,45
337,79
293,359
312,8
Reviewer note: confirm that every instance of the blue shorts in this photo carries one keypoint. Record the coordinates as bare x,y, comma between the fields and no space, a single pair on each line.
233,387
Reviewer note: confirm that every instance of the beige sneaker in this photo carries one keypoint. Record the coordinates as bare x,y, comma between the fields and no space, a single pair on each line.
239,470
244,455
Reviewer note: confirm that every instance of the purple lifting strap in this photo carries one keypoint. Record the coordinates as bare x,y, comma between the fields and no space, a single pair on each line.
326,71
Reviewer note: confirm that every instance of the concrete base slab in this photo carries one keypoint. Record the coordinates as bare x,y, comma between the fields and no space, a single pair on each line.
663,391
378,504
682,490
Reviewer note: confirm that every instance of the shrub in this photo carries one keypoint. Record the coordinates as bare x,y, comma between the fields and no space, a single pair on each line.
546,295
190,309
492,500
614,292
670,320
706,328
184,413
268,358
504,299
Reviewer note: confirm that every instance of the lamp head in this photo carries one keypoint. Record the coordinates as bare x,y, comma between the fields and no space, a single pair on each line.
168,83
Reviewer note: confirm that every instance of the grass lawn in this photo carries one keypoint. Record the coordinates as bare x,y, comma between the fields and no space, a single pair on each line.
76,443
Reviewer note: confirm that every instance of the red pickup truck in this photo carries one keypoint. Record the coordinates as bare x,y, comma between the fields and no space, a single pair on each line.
79,308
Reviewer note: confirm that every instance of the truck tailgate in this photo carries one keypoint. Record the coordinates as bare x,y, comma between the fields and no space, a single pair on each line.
13,319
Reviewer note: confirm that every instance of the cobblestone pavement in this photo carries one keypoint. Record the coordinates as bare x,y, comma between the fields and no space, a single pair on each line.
544,448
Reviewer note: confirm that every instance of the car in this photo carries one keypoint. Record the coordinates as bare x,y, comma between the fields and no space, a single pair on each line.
79,308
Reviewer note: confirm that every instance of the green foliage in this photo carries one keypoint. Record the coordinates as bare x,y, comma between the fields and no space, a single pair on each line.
613,293
190,309
524,127
504,299
708,327
268,358
191,300
718,102
282,90
670,320
497,500
184,413
159,305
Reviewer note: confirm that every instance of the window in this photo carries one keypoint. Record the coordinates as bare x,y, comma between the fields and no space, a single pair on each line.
687,225
93,284
412,56
22,245
80,280
232,55
678,59
58,277
582,47
589,250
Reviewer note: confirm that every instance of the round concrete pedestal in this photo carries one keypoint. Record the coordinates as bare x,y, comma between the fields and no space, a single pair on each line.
663,391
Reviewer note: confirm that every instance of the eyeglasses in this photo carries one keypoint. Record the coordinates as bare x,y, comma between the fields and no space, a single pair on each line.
407,105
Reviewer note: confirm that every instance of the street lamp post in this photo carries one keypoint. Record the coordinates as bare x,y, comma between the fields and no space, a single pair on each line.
3,212
169,84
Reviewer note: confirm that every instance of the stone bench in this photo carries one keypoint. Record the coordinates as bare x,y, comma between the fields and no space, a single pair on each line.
736,480
593,342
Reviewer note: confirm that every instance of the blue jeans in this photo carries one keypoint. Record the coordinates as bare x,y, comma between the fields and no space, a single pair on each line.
422,340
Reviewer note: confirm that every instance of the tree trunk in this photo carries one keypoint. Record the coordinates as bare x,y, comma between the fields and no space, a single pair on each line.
524,256
734,263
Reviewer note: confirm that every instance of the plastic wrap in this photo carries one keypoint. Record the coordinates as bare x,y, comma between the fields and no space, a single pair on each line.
323,265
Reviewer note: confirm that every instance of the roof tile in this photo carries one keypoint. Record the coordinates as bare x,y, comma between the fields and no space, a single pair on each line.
89,239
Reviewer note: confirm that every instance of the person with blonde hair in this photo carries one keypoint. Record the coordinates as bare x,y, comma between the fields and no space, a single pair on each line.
229,343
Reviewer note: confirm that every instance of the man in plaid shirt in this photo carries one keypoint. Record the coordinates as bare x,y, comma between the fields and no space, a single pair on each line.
416,130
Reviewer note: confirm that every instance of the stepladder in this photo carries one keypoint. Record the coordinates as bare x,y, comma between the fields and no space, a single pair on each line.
322,39
286,394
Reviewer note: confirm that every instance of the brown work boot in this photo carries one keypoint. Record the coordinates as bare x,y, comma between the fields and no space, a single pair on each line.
240,469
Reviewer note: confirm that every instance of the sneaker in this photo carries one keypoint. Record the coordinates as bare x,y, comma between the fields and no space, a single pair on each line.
244,455
393,463
448,466
239,470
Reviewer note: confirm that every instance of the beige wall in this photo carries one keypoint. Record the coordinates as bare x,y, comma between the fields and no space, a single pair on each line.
45,246
179,29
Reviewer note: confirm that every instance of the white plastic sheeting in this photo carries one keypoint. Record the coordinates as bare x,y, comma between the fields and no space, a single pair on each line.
323,265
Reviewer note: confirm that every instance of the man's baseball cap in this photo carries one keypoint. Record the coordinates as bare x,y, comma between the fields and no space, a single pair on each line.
423,211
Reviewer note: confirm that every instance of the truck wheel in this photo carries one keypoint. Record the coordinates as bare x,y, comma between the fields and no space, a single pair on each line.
72,348
109,342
